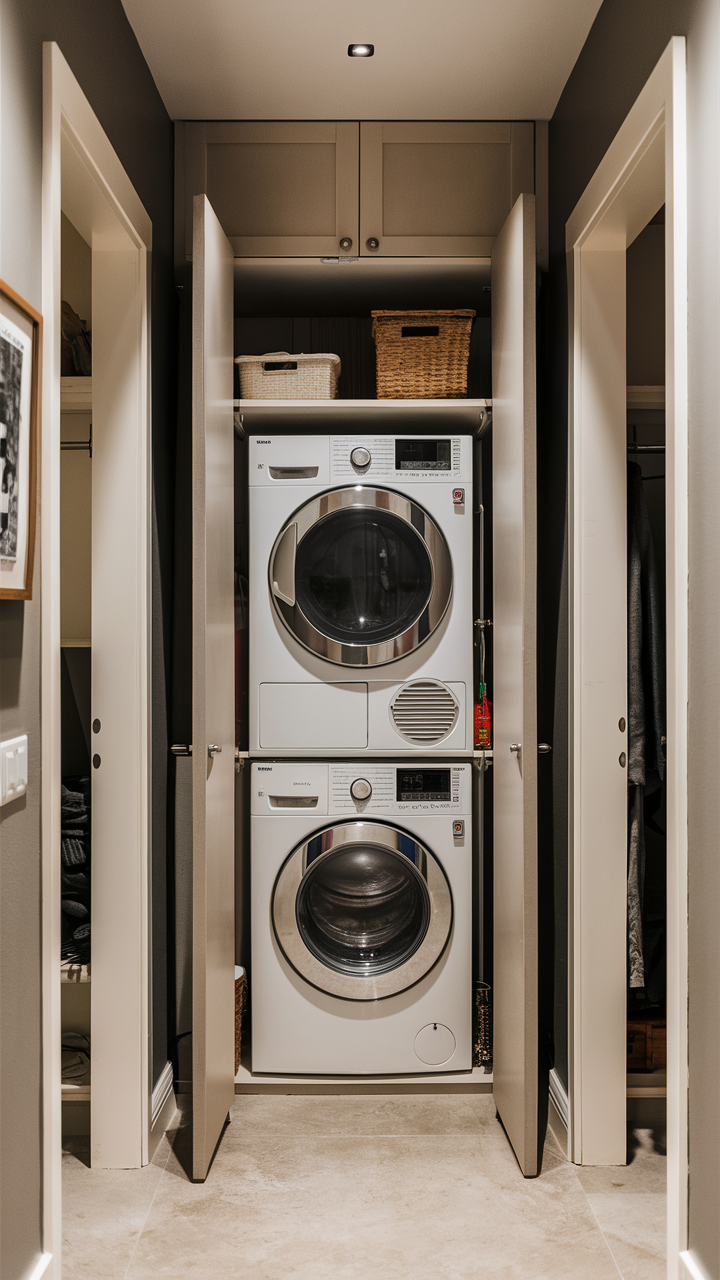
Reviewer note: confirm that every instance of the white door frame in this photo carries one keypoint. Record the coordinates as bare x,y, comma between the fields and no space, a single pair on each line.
82,174
644,167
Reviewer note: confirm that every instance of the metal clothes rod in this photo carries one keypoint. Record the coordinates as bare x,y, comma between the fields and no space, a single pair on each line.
646,448
73,446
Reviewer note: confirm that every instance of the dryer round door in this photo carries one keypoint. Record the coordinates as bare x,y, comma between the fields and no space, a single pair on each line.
362,910
361,576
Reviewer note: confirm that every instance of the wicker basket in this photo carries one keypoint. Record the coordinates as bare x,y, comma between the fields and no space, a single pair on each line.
422,355
280,376
240,1002
482,1031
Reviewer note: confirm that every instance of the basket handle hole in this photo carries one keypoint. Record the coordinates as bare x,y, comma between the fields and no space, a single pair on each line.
279,366
420,330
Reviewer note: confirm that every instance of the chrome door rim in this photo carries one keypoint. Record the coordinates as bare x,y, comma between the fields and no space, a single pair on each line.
424,527
351,986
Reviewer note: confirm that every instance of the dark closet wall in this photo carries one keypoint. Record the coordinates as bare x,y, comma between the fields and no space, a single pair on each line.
624,45
97,41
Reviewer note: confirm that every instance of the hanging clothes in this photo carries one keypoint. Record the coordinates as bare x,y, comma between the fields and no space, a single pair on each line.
646,706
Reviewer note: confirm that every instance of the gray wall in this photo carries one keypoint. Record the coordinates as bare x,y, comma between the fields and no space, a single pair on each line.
97,41
624,45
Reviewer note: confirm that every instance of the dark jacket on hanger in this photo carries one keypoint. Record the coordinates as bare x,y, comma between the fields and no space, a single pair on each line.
646,703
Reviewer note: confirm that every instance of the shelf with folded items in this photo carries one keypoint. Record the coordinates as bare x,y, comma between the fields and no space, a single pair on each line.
75,1065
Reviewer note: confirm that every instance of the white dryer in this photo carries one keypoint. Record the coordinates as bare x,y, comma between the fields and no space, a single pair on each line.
360,595
361,889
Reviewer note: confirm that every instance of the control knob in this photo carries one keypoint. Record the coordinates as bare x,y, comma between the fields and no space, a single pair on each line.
360,789
361,458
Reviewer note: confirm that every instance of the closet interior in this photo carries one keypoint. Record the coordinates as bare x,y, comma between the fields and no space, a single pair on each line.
326,224
341,296
76,634
647,838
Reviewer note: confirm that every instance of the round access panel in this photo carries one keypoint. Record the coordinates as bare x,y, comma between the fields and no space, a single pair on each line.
435,1044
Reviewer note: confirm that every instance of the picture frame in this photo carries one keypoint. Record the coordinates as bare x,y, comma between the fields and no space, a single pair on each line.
20,388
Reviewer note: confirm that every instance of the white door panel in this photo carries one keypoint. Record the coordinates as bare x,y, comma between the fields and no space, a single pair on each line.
515,1053
213,684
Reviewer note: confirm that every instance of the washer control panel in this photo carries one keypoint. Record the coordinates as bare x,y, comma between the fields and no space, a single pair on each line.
355,787
401,458
393,788
319,461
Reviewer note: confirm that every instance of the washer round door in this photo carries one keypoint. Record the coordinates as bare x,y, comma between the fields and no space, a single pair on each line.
362,910
361,576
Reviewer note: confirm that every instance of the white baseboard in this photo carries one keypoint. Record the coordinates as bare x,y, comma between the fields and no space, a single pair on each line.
559,1098
690,1268
40,1267
160,1093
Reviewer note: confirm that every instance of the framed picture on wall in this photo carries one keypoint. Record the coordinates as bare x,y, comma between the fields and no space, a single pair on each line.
20,359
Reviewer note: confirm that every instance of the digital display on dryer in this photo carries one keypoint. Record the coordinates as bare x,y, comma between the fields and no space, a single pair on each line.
423,784
423,455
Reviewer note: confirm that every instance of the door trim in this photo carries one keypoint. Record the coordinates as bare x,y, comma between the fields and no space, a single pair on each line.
80,163
644,167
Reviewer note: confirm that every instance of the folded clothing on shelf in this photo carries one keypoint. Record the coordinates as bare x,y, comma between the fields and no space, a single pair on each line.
75,1056
75,879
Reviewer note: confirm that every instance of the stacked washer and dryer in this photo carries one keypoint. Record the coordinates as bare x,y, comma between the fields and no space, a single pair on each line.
361,733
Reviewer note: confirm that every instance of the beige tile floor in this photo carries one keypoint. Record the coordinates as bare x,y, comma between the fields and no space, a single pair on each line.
364,1188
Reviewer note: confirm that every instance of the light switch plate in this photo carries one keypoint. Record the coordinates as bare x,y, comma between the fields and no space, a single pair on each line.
13,768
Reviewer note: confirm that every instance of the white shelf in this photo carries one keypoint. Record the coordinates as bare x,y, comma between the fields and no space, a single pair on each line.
488,754
75,1092
474,1081
76,395
647,1084
646,397
441,415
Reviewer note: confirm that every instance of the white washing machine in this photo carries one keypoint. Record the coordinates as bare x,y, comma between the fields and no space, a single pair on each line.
360,595
361,890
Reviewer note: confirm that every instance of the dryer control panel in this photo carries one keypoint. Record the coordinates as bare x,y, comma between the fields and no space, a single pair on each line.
362,787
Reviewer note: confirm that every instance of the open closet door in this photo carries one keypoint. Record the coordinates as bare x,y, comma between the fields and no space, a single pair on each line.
515,1012
213,723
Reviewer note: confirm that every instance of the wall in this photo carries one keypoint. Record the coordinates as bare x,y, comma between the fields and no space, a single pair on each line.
97,41
624,45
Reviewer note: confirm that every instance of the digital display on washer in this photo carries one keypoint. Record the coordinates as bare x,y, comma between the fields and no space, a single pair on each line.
423,455
423,784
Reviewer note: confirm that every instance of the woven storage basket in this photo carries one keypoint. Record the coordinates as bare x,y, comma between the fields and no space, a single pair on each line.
240,1002
280,376
422,355
482,1026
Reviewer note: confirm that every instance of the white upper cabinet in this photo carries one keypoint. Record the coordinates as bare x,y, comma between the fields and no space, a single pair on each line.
444,189
342,189
279,189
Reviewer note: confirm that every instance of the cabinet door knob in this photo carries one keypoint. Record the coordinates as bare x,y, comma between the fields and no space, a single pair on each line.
544,747
372,243
346,243
516,746
214,749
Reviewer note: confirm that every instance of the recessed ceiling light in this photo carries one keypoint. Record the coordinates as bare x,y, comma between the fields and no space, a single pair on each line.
361,50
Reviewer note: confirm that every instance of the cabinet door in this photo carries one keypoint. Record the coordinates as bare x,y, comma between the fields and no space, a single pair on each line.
441,189
515,997
279,189
213,717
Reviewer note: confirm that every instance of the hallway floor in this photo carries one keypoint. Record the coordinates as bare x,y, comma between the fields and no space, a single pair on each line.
357,1188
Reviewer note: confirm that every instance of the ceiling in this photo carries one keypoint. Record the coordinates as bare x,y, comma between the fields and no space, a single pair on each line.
287,59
